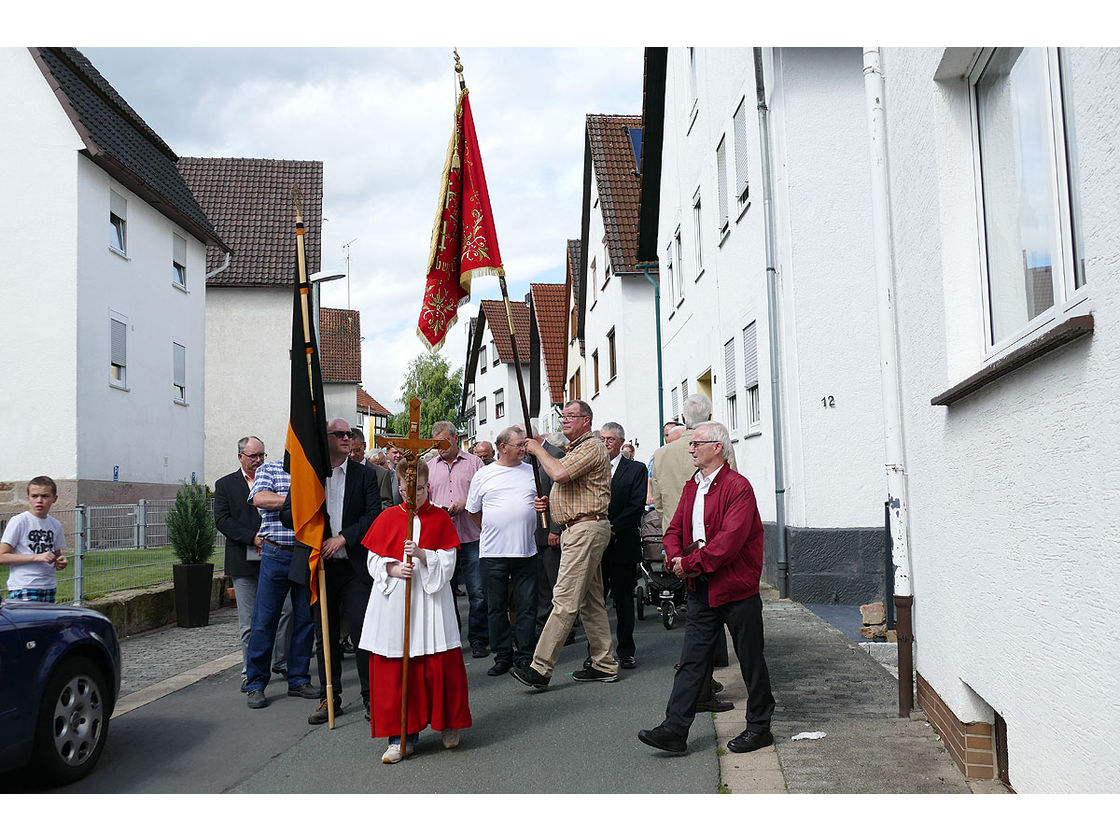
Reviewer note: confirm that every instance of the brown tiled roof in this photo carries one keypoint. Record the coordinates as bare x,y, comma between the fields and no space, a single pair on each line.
119,141
495,313
250,202
340,344
573,285
619,183
368,405
550,307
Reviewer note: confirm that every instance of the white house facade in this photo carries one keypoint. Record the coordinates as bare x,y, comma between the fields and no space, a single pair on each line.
1003,185
716,332
490,376
105,326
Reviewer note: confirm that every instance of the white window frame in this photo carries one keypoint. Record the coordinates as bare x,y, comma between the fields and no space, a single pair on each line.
480,403
612,355
118,362
179,261
595,371
499,403
678,248
178,377
694,108
742,175
698,232
753,414
730,391
1069,289
721,184
606,263
593,271
118,223
482,358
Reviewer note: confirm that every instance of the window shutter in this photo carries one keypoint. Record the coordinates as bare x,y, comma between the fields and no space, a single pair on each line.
180,249
741,180
750,356
117,205
676,404
721,170
179,360
118,343
729,368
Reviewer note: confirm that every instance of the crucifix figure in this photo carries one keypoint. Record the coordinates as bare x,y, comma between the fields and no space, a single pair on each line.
410,447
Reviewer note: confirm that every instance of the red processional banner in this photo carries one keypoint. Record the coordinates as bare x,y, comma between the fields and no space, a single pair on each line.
464,241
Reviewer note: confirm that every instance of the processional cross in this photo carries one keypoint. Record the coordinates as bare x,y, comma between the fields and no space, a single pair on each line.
410,447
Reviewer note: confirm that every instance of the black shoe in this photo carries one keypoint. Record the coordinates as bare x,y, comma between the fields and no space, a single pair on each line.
498,668
662,739
530,677
628,662
587,663
322,715
717,687
594,675
480,651
244,682
367,711
714,705
747,741
256,699
347,646
307,691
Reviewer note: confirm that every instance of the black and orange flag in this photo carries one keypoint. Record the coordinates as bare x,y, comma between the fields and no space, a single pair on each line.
306,456
464,242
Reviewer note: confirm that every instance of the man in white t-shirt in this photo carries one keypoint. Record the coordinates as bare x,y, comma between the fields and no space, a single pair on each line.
500,502
33,544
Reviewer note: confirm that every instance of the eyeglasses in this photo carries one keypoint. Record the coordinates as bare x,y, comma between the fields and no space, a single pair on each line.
564,416
340,435
259,456
610,438
519,445
692,444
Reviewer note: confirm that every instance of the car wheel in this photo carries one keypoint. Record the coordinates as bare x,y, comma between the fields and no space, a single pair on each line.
73,721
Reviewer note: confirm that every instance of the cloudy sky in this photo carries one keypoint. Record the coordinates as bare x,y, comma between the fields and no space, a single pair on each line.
380,120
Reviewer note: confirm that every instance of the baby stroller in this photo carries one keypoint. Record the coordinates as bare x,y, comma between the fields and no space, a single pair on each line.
656,587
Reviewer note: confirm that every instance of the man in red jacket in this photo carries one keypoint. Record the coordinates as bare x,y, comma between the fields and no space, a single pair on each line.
715,543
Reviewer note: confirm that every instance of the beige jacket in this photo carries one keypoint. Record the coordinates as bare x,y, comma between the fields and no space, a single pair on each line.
672,467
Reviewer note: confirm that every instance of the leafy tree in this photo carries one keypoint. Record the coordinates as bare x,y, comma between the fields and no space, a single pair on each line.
440,391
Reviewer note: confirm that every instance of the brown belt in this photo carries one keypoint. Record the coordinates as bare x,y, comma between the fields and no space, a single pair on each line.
568,525
278,545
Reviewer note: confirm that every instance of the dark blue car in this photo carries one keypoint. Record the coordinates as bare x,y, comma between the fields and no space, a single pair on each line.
60,673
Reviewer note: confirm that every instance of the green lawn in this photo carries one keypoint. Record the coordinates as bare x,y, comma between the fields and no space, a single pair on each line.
111,571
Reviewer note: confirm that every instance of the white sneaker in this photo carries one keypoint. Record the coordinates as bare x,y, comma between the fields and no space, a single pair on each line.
393,754
450,738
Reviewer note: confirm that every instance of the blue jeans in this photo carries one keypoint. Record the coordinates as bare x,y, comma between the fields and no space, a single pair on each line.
273,586
478,630
522,571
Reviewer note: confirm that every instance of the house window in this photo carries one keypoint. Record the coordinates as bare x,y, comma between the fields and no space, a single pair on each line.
729,389
482,359
742,179
684,390
595,368
594,282
494,355
179,373
670,274
481,410
572,323
178,261
692,87
676,404
750,377
118,216
721,174
698,233
612,356
606,263
118,350
678,249
1031,250
499,403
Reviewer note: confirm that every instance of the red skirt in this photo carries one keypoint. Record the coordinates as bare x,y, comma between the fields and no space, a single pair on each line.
437,693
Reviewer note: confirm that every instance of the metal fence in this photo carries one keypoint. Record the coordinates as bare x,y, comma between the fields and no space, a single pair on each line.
113,547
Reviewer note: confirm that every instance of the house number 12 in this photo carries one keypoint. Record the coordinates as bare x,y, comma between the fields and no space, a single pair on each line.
829,401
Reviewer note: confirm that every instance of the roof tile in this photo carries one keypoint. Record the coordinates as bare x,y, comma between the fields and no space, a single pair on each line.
619,184
340,344
550,307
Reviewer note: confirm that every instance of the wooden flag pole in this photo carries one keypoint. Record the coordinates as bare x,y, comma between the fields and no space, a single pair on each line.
410,447
542,515
305,291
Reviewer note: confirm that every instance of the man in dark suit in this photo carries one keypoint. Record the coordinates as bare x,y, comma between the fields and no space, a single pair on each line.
353,502
624,551
238,520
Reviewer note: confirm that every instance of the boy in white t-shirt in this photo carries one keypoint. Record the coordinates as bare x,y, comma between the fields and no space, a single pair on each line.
33,544
500,501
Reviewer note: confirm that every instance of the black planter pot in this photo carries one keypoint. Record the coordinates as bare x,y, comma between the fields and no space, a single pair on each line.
193,582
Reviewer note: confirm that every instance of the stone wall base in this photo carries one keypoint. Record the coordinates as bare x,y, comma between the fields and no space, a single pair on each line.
829,565
136,610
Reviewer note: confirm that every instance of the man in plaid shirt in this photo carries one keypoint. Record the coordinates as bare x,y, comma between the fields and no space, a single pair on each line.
581,494
270,487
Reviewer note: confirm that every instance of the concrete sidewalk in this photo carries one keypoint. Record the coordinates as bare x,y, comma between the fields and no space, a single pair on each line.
821,679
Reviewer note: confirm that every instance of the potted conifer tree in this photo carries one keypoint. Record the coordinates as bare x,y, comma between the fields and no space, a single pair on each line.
191,530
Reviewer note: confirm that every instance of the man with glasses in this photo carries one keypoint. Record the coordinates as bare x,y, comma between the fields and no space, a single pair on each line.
500,502
714,543
580,496
239,521
449,479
